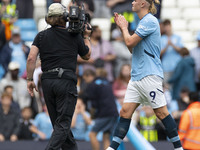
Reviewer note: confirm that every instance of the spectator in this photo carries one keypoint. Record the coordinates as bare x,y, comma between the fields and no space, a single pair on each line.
162,28
2,43
2,35
120,84
25,124
101,9
183,75
9,16
189,130
171,45
122,7
9,89
25,8
48,3
9,119
42,125
182,104
87,78
157,15
121,50
101,50
147,124
2,71
104,110
20,93
4,53
19,50
195,54
89,6
167,95
80,121
57,1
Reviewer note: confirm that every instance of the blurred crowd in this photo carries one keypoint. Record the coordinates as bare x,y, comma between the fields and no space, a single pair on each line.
102,81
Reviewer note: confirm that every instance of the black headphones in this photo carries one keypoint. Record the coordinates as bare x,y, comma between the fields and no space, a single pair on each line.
65,14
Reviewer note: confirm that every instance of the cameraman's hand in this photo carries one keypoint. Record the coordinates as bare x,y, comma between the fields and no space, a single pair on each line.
30,87
88,30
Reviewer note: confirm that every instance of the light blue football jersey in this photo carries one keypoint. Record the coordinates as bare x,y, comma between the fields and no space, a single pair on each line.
146,54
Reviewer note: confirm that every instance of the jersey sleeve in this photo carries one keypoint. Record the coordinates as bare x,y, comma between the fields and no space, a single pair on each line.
145,28
36,40
82,48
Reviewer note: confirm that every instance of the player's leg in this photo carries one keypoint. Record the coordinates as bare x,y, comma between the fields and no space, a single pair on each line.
94,142
170,126
123,124
131,102
155,96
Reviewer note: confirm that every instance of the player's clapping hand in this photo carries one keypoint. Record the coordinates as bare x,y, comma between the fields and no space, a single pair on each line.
120,21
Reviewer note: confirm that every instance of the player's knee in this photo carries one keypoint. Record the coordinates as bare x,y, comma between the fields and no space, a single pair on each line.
162,112
124,113
161,115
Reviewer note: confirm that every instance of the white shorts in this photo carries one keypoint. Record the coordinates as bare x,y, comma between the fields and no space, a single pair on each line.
148,91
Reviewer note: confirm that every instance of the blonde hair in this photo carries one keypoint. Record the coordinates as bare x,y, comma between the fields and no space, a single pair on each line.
152,7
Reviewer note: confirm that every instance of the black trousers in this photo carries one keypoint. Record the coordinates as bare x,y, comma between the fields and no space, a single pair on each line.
60,97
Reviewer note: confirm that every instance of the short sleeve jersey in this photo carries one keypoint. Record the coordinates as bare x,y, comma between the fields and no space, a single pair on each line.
59,49
146,54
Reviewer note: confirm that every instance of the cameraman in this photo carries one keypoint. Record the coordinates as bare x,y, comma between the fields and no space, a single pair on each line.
58,51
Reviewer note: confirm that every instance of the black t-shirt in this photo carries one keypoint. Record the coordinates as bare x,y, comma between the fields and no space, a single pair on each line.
59,49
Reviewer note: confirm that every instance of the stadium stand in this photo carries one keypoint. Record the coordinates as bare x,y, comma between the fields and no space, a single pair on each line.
185,19
42,24
39,9
186,4
28,29
26,24
169,3
104,24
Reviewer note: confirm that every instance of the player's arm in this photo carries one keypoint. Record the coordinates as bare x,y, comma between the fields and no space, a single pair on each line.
130,40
